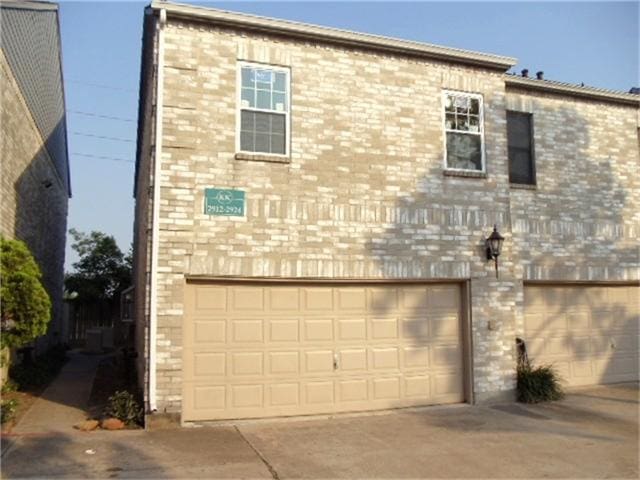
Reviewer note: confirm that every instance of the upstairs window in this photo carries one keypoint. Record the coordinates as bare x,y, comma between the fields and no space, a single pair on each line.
520,143
463,125
264,109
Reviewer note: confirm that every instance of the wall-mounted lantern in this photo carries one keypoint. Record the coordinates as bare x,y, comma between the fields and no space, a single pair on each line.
494,246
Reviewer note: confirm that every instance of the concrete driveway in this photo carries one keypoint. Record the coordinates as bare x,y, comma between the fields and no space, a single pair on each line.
593,433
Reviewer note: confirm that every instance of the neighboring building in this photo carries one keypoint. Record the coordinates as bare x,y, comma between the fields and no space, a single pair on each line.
34,166
322,200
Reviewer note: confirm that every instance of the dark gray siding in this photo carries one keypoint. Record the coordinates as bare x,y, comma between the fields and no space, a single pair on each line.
31,44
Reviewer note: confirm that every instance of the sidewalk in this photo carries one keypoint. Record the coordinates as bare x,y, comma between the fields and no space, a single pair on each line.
64,402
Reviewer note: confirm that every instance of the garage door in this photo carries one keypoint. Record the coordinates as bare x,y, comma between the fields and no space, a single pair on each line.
266,350
589,333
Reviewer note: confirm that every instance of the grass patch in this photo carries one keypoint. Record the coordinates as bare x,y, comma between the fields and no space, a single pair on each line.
538,384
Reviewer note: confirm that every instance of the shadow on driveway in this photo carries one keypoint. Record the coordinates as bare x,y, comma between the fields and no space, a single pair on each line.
593,433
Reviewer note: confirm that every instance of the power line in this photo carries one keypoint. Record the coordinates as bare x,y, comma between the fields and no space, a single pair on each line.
99,85
117,139
108,117
102,157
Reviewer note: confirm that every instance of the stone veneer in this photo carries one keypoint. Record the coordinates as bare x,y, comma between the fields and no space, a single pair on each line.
364,195
29,211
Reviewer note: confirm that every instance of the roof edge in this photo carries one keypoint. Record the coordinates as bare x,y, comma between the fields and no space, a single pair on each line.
335,35
569,89
29,5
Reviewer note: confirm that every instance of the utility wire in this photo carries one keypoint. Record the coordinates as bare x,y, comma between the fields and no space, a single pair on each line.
98,85
89,114
102,157
117,139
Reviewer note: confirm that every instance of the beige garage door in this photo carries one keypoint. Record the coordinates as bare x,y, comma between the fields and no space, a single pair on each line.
589,333
268,350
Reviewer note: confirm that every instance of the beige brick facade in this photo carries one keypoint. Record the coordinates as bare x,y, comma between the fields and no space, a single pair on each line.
31,212
364,194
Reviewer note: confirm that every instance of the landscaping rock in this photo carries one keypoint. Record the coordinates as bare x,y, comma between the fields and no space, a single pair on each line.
112,424
87,425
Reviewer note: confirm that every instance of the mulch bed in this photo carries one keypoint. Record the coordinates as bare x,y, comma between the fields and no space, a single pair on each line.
114,373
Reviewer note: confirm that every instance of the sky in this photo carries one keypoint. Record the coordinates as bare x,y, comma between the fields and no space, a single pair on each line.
591,42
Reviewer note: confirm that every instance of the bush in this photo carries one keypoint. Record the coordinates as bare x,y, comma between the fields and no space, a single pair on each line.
32,376
7,410
25,310
9,386
538,384
123,406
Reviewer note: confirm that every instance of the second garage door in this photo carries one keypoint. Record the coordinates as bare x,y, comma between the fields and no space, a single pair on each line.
273,350
589,333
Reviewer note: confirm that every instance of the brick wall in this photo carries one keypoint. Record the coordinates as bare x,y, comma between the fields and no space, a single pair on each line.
581,222
364,194
29,211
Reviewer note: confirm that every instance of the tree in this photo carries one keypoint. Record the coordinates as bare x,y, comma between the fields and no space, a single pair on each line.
25,310
102,272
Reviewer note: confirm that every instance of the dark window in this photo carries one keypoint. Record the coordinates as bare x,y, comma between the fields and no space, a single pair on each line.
520,142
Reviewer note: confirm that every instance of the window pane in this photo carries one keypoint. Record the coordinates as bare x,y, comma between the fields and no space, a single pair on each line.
475,107
277,124
462,123
277,144
263,99
518,130
474,123
278,102
520,166
247,121
262,143
264,79
264,76
461,103
248,77
248,97
246,141
450,121
464,151
280,83
263,122
448,107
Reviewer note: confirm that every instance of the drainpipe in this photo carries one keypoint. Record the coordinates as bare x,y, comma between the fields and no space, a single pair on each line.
155,227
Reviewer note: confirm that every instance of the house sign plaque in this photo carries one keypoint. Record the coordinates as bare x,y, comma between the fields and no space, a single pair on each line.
230,203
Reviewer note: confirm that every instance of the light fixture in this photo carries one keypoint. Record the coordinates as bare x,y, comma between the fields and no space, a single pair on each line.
494,246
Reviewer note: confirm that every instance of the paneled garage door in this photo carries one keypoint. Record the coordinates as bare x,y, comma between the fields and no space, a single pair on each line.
273,350
589,333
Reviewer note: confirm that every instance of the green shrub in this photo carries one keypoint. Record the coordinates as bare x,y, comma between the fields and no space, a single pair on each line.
25,310
9,386
123,406
7,410
538,384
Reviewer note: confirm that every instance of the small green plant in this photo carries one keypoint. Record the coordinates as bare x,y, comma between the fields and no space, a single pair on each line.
123,406
8,410
538,384
9,386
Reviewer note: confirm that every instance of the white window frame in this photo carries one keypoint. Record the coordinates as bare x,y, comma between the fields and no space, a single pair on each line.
458,93
287,112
